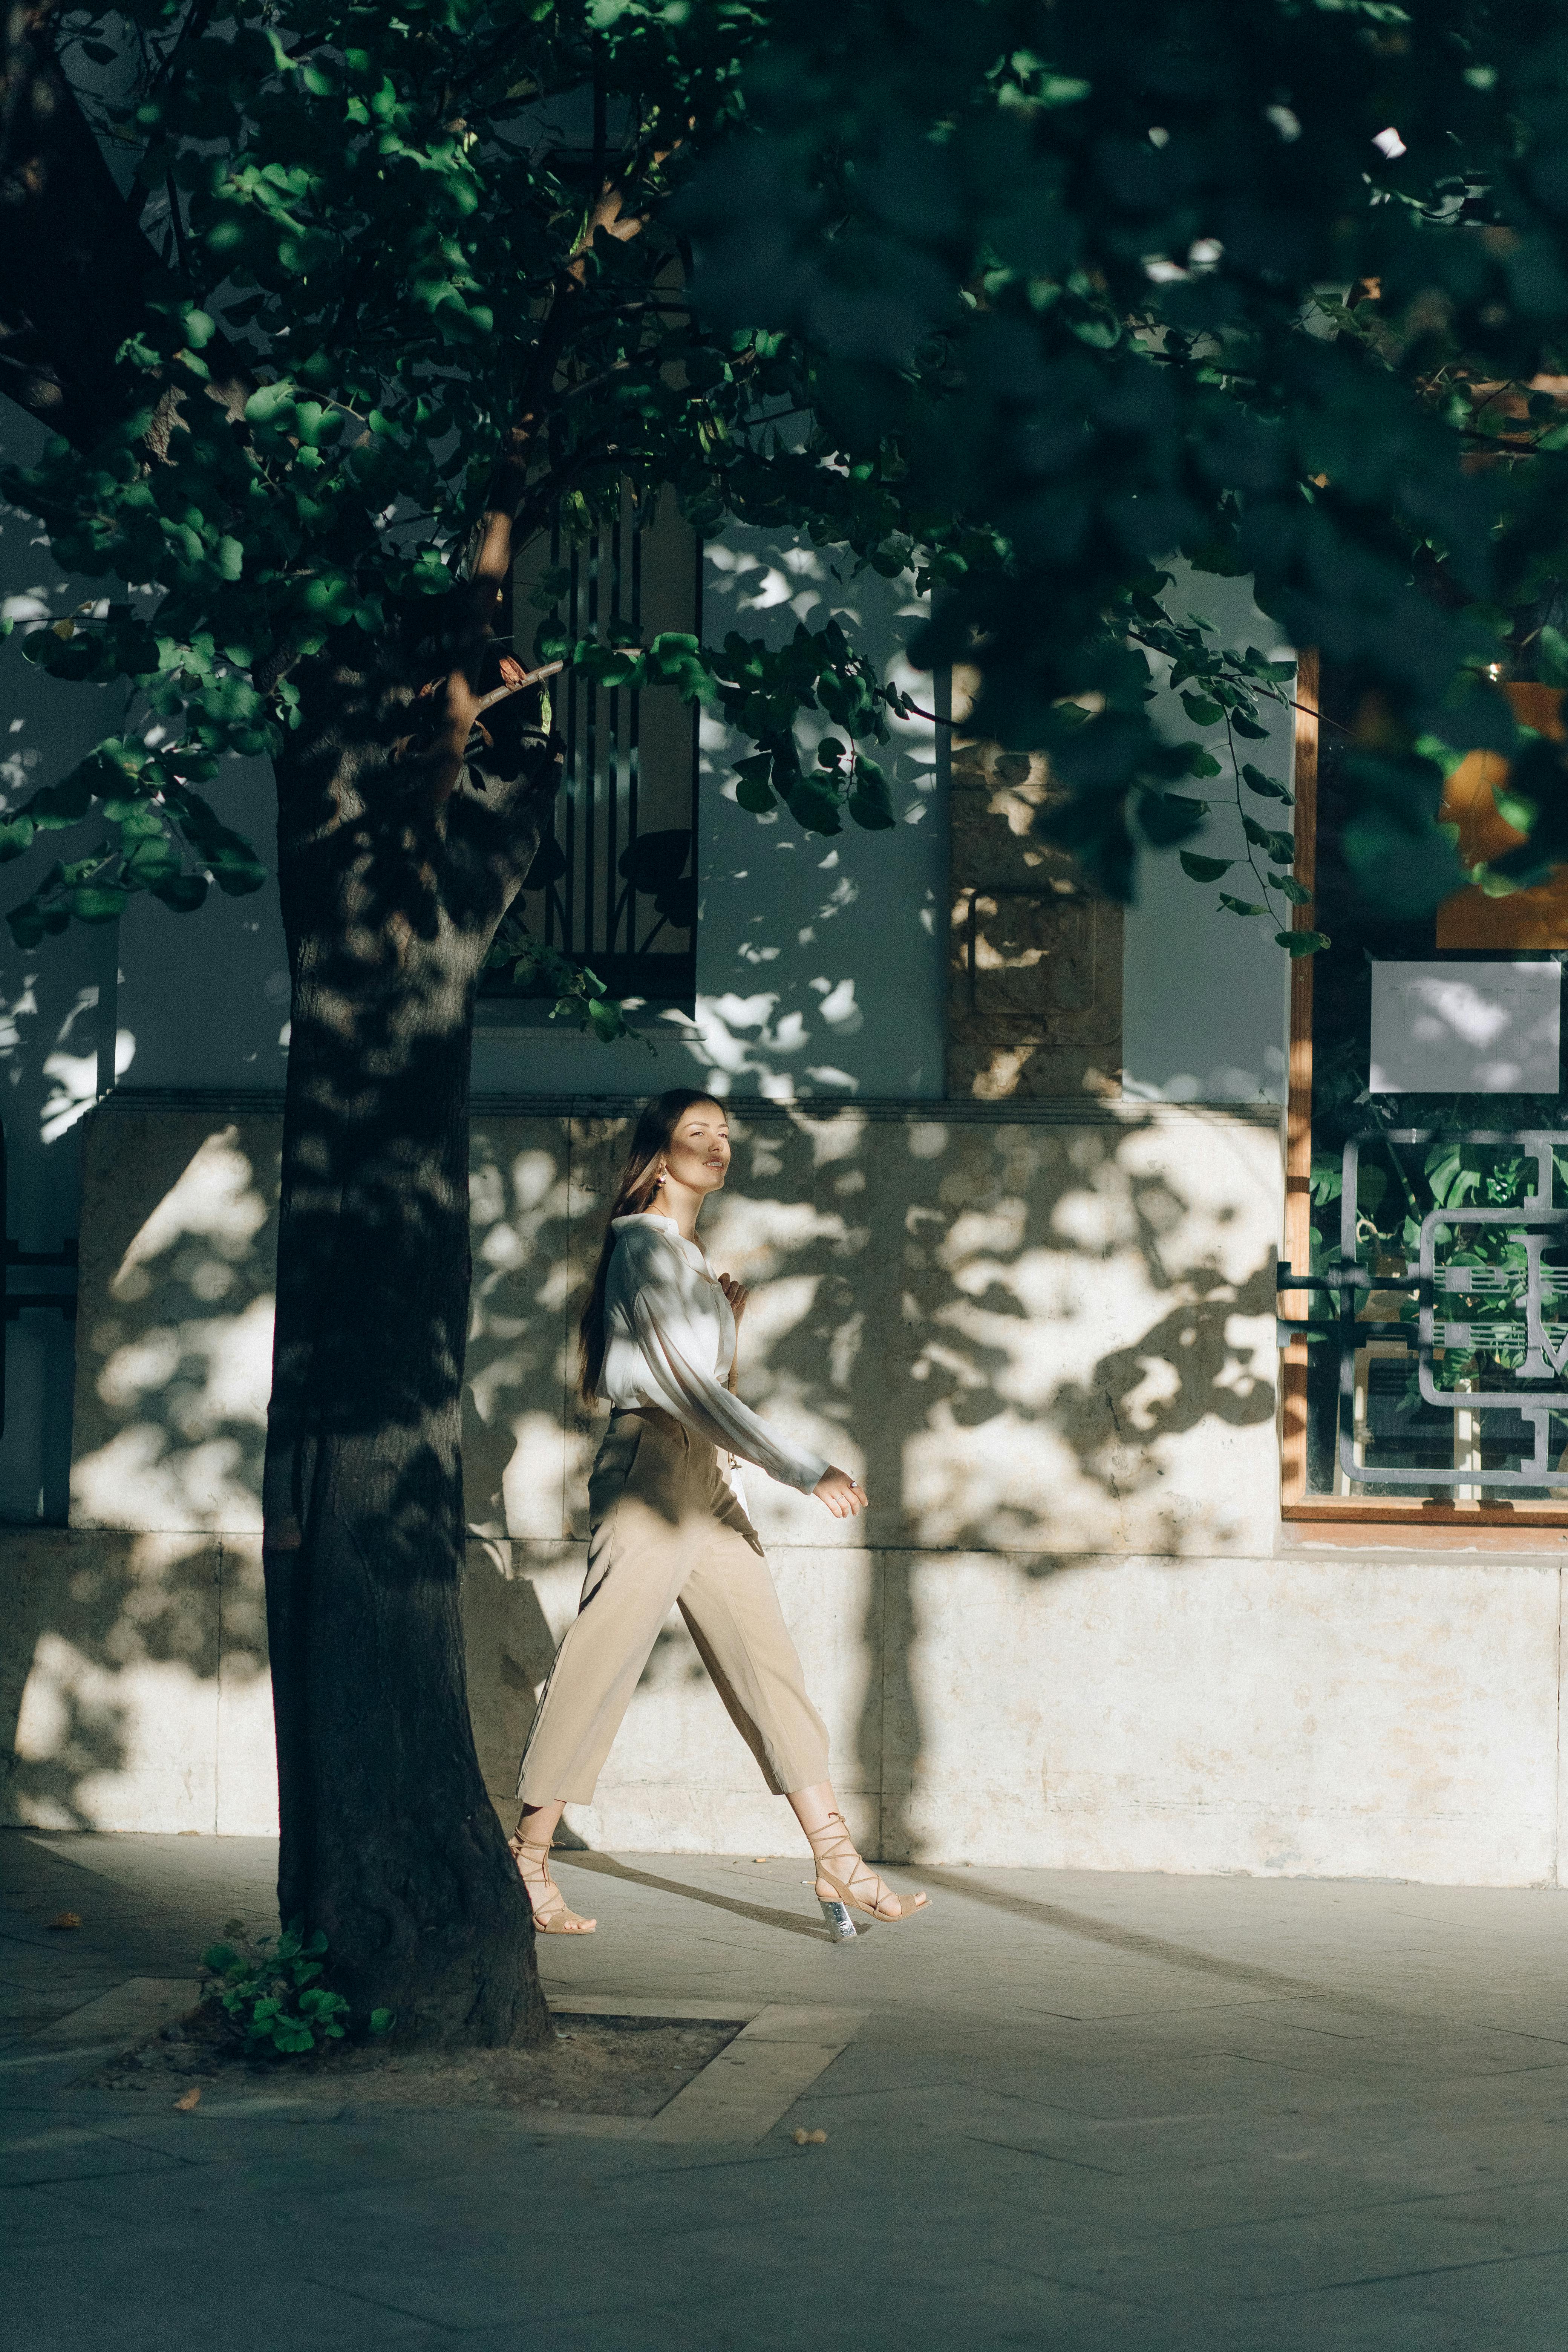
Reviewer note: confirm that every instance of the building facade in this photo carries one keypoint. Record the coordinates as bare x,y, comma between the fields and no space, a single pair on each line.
1009,1192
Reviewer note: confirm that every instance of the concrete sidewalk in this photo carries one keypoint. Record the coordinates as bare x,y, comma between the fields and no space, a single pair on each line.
1082,2110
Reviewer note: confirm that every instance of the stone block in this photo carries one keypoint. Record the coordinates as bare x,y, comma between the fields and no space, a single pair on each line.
1279,1717
247,1739
1033,1006
112,1687
175,1328
522,1332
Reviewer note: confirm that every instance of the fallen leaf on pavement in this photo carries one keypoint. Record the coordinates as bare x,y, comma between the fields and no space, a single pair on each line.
189,2099
66,1919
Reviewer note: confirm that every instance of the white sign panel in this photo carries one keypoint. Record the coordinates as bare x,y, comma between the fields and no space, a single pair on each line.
1466,1028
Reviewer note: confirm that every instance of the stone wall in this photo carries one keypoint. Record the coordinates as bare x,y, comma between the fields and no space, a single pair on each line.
1034,1000
1068,1632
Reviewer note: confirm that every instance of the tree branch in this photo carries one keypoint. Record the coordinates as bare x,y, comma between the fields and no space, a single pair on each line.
436,750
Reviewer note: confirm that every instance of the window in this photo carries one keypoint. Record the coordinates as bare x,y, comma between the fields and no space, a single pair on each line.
1426,1174
615,886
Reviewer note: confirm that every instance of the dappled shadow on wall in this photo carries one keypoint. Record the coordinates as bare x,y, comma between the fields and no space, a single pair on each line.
133,1693
1032,1338
174,1340
1045,1344
136,1695
1045,1347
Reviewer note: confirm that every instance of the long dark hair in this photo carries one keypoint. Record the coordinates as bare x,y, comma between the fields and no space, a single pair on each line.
635,1188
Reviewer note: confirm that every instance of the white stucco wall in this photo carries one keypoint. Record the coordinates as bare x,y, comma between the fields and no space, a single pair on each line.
1071,1630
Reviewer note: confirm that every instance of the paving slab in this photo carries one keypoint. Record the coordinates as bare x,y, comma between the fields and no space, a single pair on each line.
129,2013
1066,2109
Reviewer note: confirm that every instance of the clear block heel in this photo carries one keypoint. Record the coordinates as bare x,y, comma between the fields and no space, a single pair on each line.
841,1926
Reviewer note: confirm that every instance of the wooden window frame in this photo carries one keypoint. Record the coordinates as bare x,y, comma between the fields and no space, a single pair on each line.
1414,1516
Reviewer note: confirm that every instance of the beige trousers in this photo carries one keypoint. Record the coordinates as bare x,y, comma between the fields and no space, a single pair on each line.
666,1527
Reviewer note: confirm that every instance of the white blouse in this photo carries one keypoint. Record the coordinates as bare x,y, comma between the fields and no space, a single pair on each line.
670,1340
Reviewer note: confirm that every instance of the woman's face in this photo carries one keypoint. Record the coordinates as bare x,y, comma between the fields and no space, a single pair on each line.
699,1152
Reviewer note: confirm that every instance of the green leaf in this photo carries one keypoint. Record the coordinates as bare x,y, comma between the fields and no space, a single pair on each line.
870,802
65,804
1553,656
1240,906
383,2020
1247,729
98,903
1288,888
1201,710
1302,943
1279,846
1169,817
152,861
1267,786
752,789
25,923
15,838
1204,870
270,403
182,892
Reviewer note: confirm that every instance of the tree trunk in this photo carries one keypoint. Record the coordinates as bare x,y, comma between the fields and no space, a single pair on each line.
394,871
390,1844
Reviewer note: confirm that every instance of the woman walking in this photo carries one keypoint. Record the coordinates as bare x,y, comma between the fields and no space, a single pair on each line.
659,1345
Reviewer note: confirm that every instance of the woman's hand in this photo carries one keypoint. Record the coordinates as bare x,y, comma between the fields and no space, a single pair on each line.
737,1294
844,1495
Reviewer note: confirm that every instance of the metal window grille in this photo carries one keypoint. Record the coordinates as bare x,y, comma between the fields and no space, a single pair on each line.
1488,1291
615,886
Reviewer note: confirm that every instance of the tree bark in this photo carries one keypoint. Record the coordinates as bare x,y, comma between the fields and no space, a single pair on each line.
390,1844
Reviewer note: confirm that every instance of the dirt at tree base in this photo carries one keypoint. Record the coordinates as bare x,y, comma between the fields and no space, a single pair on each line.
629,2066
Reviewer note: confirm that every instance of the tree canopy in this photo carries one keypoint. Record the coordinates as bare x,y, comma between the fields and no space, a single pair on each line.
1283,288
1018,299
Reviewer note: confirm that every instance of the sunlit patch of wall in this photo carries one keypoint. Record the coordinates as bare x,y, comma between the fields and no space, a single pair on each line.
820,962
174,1359
133,1688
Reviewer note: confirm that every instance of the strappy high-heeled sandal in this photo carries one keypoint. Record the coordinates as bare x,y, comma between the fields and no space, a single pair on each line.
545,1900
843,1878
